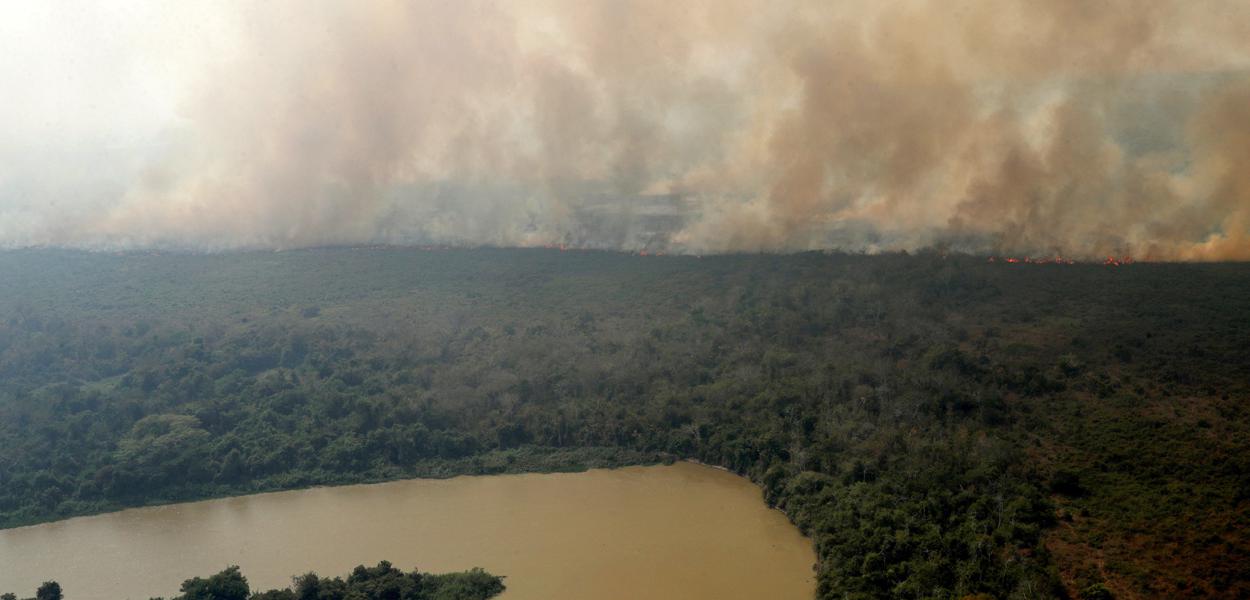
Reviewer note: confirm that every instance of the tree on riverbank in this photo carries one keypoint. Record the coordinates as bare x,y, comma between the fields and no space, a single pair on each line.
50,590
383,582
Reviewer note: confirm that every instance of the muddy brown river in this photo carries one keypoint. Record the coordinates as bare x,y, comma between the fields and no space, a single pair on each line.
679,532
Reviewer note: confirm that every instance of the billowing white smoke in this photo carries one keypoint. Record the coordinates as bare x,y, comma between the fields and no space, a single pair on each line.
1070,126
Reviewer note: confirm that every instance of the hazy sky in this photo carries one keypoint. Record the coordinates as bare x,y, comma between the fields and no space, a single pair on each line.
1071,126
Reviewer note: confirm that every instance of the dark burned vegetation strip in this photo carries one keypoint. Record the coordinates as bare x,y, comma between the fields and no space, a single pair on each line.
940,427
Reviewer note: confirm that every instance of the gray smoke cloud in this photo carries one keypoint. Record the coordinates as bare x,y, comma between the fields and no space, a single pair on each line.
1068,126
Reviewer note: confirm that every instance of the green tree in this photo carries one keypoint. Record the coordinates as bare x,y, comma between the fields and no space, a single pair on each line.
307,586
50,590
226,585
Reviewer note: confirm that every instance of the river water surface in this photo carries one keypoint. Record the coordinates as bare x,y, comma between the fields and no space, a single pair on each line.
678,532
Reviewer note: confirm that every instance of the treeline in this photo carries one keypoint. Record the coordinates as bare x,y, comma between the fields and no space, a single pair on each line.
383,582
49,590
934,423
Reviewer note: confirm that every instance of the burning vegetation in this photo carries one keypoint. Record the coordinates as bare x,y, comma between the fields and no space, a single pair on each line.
1111,261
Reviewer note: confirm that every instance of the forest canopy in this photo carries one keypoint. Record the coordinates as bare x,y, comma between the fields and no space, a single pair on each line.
940,426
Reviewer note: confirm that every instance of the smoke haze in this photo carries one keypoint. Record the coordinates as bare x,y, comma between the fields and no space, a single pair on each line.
1077,127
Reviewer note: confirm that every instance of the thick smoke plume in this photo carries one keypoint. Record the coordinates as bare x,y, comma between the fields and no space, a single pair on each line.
1079,127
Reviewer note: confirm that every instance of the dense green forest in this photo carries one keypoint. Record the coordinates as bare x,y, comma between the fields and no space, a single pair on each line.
383,582
940,426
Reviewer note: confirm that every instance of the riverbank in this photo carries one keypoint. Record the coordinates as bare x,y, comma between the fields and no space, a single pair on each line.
528,459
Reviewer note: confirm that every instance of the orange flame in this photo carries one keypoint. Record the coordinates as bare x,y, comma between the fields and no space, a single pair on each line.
1111,261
